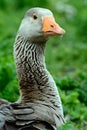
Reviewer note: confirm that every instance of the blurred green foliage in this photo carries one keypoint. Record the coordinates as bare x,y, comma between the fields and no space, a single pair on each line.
68,62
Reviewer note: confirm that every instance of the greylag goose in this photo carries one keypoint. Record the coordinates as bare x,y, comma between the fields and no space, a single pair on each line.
40,106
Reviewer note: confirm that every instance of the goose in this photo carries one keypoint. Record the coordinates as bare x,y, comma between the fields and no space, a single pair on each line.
39,106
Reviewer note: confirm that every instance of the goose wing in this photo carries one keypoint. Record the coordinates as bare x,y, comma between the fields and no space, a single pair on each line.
22,117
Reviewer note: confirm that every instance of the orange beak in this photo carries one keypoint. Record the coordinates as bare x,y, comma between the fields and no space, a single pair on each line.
51,28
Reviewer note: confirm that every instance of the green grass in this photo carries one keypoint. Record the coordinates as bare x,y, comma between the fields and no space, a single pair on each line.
66,57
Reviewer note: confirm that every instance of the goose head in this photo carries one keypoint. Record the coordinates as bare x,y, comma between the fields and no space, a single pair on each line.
39,23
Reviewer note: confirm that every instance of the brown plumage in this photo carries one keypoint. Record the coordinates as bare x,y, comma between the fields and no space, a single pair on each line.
39,106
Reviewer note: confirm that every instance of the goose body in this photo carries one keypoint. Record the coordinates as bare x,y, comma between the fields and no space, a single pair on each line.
40,105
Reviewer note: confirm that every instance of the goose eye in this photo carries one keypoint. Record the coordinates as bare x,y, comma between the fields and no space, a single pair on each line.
35,17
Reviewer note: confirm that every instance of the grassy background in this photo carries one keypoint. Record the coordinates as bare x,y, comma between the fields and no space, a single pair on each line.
66,57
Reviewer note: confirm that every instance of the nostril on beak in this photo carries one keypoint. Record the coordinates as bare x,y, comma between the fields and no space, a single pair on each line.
52,26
